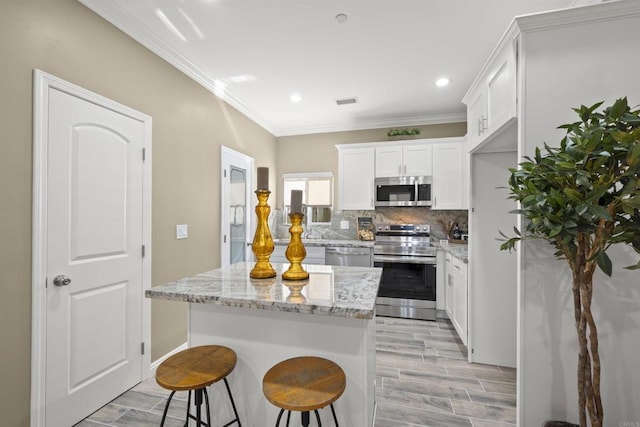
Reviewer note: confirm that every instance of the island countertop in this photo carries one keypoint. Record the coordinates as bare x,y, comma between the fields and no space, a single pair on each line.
330,290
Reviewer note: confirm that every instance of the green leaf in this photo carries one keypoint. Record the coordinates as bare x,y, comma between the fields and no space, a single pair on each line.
618,108
573,195
597,193
601,212
634,154
581,209
604,262
633,202
555,231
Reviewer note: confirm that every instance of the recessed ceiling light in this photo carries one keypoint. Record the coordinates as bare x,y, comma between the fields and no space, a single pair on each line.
441,82
295,98
341,18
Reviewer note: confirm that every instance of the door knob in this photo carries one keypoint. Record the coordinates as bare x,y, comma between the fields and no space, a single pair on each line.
61,280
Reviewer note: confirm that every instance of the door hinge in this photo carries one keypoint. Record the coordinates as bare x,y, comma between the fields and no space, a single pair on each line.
141,348
144,154
143,251
224,238
225,173
46,282
472,350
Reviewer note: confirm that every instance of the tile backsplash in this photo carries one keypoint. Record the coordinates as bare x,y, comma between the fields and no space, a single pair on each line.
395,215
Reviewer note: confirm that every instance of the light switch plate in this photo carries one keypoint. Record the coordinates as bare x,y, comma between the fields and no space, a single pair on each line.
344,225
182,231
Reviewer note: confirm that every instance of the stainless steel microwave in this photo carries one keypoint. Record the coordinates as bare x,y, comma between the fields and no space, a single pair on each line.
403,191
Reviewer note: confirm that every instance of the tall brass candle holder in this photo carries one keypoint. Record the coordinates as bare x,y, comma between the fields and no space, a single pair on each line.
295,251
262,242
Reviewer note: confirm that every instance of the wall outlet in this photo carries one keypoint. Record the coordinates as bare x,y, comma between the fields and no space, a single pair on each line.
182,231
344,225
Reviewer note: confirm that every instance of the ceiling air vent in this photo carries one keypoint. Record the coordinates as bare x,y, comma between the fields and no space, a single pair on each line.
346,101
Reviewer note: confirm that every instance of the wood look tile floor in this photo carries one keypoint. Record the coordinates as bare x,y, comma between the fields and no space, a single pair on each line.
423,379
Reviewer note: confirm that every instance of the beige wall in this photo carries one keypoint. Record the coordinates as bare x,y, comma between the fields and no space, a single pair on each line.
190,124
317,152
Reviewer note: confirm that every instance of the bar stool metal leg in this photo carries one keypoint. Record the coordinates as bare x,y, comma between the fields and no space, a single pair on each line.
198,402
206,399
166,408
233,405
318,417
186,421
335,419
279,417
305,419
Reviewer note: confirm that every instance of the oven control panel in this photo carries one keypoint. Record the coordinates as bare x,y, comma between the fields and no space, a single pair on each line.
403,229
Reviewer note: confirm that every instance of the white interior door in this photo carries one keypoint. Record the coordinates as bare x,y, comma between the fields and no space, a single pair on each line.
95,232
236,206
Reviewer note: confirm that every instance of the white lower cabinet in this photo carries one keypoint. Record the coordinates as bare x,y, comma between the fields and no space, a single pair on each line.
456,294
448,286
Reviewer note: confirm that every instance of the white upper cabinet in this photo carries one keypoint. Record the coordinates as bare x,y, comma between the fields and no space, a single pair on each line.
501,90
356,177
388,161
404,160
491,100
448,190
418,160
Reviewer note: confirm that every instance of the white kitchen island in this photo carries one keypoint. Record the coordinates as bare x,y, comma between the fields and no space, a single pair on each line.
265,321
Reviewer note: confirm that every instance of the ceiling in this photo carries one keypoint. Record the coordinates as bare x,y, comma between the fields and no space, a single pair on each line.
388,54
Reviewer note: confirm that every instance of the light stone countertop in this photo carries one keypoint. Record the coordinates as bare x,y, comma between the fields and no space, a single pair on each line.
458,250
330,242
331,290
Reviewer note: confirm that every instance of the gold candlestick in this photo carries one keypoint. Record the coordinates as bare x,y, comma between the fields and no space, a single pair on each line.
262,242
295,251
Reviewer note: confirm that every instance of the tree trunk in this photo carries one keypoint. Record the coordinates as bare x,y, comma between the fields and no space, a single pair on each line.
588,369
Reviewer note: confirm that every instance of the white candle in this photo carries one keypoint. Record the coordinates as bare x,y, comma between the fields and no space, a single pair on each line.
263,178
296,201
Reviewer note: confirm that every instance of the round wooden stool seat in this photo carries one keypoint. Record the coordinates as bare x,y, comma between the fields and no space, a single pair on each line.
194,369
304,384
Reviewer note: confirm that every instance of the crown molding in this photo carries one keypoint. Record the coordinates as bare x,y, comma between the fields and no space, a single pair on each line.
598,12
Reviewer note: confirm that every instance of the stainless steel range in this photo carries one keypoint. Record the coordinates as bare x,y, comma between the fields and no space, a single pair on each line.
408,261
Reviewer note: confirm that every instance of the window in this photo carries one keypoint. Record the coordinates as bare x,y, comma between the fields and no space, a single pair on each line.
317,194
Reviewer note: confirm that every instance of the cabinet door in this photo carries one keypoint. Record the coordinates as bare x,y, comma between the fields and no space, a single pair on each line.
448,176
501,90
388,161
417,160
449,280
356,175
460,298
476,118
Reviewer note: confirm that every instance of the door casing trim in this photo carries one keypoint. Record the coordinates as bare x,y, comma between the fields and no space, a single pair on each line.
225,154
42,82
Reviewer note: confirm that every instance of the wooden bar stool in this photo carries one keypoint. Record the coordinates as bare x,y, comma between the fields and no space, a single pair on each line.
304,384
194,369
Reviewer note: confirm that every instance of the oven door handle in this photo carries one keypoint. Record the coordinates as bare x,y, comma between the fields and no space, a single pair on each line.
404,259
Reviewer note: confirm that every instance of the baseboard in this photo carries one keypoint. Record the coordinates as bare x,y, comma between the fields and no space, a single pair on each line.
156,363
442,314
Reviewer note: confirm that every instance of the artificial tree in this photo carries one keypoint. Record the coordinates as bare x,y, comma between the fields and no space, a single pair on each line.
582,198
